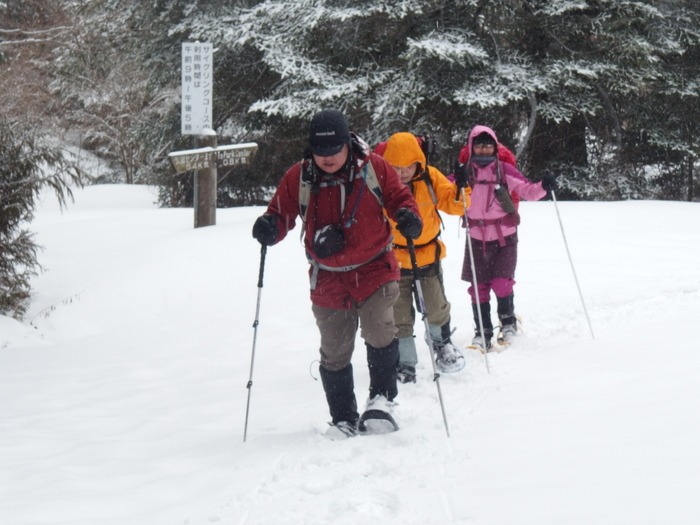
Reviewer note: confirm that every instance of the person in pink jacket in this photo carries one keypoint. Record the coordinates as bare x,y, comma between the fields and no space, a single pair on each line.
493,225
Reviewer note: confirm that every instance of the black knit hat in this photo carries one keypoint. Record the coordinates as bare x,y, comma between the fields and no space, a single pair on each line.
484,138
328,133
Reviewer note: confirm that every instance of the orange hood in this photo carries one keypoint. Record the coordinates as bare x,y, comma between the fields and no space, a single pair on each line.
403,149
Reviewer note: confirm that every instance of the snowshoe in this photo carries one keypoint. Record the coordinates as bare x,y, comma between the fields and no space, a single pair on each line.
478,343
506,335
449,359
341,430
377,419
406,373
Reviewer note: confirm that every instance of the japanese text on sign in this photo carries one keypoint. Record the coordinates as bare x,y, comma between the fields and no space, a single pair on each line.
197,87
223,156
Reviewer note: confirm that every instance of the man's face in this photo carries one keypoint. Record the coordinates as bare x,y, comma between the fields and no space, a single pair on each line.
406,173
332,163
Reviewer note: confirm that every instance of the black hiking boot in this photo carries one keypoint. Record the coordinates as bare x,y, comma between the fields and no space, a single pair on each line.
382,363
484,343
339,387
506,316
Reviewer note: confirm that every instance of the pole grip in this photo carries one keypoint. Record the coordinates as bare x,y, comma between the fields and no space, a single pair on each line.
416,275
261,272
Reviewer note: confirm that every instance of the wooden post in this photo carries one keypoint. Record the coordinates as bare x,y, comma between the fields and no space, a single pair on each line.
205,205
203,162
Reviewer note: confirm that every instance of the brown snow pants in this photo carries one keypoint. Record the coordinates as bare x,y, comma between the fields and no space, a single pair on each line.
375,317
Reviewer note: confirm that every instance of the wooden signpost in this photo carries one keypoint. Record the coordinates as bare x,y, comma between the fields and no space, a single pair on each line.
196,119
222,156
204,162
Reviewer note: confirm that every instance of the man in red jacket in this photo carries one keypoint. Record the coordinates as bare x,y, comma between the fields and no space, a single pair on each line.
340,190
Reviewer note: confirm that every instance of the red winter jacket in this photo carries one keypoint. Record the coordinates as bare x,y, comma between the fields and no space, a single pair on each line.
366,261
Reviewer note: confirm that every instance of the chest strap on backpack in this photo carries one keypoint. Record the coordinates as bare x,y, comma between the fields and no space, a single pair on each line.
417,246
482,223
316,266
422,269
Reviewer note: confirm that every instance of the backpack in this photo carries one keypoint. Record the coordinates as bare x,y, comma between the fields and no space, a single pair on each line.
504,155
307,186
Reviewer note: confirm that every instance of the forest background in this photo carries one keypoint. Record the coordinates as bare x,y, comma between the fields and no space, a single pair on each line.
604,93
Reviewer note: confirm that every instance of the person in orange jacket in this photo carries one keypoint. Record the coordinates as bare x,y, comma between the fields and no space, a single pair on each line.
433,192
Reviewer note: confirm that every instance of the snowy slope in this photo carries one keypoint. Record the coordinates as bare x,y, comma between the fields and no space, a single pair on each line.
123,394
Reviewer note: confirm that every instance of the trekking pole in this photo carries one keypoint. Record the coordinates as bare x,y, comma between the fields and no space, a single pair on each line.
249,385
421,308
475,283
571,263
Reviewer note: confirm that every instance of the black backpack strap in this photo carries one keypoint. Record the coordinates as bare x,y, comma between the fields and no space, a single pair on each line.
425,177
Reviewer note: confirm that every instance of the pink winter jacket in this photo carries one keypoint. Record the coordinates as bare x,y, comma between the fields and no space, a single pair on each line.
485,210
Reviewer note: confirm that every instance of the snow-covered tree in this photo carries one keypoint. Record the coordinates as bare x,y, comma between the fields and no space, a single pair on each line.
27,165
609,60
554,77
116,88
570,85
28,32
28,160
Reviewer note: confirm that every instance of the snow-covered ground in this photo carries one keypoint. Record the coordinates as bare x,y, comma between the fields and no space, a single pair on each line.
123,394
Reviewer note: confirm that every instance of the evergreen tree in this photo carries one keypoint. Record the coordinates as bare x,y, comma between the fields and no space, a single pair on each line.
571,86
559,80
27,165
610,59
28,161
663,142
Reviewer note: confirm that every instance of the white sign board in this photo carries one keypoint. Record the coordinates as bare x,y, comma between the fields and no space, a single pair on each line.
222,156
197,87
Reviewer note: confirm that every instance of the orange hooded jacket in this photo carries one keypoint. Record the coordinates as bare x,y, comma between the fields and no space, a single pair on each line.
402,149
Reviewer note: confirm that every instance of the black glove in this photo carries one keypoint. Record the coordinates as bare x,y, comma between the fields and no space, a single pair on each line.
549,182
265,230
408,223
461,176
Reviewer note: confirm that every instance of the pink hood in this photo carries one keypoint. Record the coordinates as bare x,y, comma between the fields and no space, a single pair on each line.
484,205
478,130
